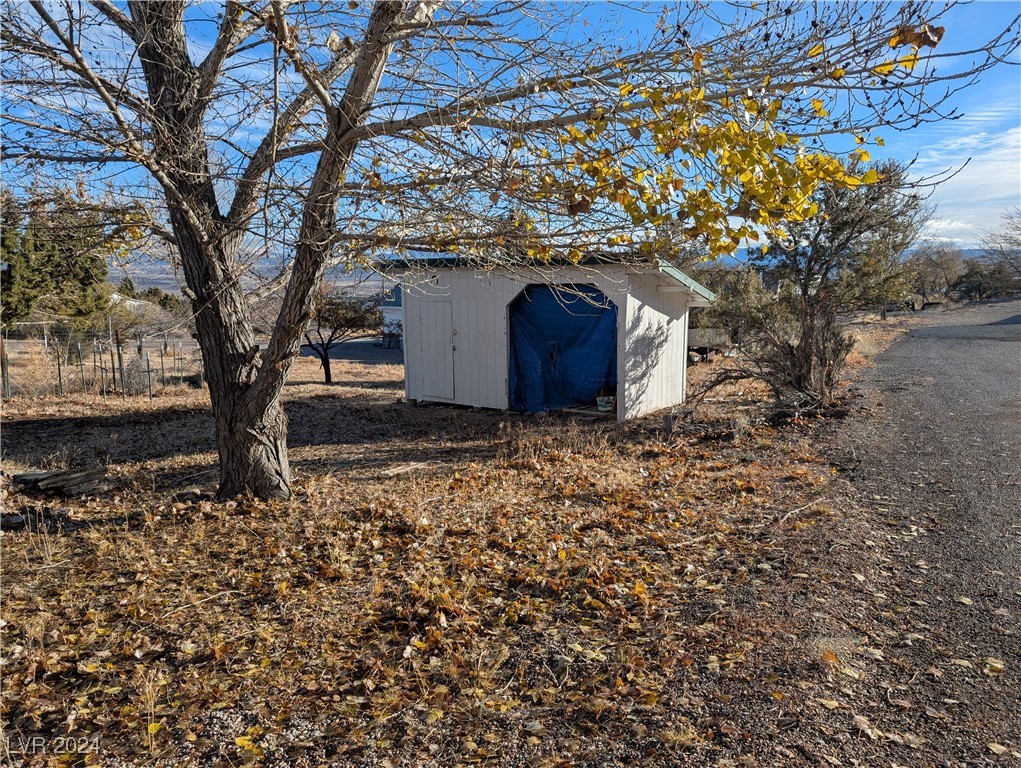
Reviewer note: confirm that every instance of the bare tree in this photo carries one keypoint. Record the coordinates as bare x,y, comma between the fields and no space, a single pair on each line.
338,317
296,133
935,267
1003,247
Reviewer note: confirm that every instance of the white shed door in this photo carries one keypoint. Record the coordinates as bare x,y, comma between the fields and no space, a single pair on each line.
436,329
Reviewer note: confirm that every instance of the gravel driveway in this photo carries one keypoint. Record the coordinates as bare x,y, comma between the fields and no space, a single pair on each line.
934,467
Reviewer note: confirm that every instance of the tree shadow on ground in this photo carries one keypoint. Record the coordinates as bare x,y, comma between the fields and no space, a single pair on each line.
331,431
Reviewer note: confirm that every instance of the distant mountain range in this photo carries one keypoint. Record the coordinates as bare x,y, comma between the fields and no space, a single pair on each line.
153,273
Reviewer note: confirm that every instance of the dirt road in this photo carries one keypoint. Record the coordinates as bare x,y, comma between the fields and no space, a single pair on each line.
934,466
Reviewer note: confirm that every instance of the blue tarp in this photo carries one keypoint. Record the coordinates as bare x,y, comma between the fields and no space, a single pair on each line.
563,347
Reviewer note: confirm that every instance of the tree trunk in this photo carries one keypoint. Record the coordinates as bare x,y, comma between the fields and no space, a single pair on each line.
251,427
327,372
253,451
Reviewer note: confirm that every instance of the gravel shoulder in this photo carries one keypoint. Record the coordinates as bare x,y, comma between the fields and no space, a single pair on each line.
931,542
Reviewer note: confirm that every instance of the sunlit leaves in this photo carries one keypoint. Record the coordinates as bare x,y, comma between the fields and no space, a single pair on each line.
723,179
908,62
885,68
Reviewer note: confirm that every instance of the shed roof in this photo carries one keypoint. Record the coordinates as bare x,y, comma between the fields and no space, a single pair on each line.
453,261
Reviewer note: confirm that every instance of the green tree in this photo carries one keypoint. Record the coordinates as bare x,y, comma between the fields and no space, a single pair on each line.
56,248
984,279
175,305
338,317
849,256
126,288
22,281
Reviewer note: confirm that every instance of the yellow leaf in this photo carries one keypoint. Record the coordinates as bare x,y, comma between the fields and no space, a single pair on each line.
996,749
880,142
817,107
817,49
626,89
864,156
696,61
153,727
435,715
885,68
838,73
870,177
909,61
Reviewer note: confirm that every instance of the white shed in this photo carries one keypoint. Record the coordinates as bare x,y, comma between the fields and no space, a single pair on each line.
546,338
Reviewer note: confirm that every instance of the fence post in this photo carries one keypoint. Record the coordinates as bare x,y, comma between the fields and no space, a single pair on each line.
102,379
113,368
5,369
60,372
81,367
148,374
120,364
163,370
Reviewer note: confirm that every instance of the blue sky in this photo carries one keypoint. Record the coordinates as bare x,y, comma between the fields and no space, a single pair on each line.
987,137
985,141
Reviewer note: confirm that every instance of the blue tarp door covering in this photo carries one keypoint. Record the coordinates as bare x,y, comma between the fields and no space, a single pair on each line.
563,347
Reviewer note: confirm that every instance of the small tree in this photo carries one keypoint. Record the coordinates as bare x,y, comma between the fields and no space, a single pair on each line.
935,268
1004,246
848,256
336,318
985,280
127,288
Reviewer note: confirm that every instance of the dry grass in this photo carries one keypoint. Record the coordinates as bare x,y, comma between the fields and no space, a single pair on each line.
448,586
34,372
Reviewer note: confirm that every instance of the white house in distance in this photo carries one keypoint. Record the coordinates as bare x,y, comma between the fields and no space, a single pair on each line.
537,339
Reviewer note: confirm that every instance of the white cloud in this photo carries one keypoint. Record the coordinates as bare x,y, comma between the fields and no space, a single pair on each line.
972,201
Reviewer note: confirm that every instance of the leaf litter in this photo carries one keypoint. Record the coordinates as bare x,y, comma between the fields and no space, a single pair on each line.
447,587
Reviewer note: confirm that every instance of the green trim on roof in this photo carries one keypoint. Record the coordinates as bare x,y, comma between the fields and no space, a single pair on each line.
688,282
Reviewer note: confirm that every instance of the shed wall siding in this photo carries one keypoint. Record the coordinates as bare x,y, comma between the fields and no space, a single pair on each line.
478,344
655,348
649,376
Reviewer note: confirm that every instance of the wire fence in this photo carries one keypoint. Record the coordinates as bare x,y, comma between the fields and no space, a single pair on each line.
39,364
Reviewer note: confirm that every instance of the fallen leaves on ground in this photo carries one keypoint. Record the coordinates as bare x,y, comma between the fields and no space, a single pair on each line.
587,590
